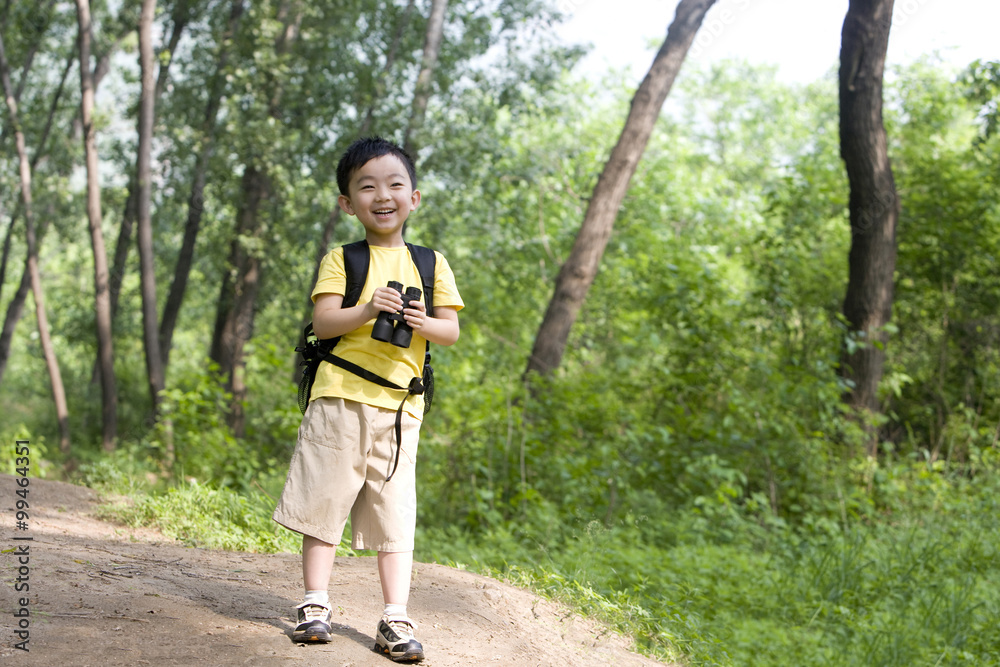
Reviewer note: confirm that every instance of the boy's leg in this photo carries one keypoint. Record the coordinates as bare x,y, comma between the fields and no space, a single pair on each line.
394,571
317,563
315,614
384,519
394,635
325,475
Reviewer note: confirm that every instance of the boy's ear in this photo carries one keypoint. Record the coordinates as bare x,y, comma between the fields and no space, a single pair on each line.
414,200
345,204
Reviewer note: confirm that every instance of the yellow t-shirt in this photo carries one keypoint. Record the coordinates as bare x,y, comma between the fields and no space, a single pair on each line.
396,364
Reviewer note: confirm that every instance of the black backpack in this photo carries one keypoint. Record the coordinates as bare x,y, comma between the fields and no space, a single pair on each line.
315,351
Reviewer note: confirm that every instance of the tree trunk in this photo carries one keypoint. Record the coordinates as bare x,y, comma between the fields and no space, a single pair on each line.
131,213
51,363
578,272
147,268
422,91
34,161
286,38
102,300
874,203
15,309
103,64
182,270
238,298
237,304
122,246
16,306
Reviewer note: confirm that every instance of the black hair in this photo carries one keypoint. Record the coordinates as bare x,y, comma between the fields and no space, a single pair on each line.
361,151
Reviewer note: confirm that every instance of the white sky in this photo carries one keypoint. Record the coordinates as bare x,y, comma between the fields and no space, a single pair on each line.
802,37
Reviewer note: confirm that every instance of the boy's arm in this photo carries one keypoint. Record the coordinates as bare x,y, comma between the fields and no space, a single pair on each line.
330,320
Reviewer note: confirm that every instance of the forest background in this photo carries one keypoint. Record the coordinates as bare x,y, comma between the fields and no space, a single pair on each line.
690,472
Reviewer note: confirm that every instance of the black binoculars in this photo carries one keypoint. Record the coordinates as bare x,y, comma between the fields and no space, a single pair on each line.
391,327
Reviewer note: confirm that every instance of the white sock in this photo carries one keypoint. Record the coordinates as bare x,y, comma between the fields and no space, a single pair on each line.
395,611
318,597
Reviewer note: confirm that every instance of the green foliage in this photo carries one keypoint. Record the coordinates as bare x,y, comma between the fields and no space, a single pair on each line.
690,453
982,82
739,589
192,436
688,474
948,294
37,465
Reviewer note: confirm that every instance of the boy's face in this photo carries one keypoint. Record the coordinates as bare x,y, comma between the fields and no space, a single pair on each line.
381,195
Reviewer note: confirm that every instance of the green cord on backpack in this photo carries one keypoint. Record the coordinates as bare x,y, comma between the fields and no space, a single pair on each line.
315,351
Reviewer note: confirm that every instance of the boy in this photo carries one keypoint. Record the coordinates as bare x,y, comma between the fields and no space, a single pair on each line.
346,460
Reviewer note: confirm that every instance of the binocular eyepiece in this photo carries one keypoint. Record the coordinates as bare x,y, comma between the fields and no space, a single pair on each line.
391,327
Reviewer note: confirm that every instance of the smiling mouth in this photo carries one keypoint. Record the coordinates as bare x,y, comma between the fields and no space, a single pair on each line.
384,211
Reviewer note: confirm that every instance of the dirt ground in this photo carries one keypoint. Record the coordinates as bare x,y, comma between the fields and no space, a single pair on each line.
102,594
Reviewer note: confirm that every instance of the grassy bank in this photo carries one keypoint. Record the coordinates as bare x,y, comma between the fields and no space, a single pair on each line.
915,580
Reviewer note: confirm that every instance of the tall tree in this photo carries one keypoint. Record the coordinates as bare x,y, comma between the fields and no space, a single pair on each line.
51,363
422,91
102,300
16,305
238,298
120,28
181,17
874,202
235,314
38,27
147,269
578,272
195,204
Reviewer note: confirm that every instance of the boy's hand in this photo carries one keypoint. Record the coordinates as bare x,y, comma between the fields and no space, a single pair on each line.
415,315
384,299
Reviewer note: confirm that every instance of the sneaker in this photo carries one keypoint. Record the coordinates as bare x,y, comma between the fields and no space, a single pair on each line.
314,623
394,638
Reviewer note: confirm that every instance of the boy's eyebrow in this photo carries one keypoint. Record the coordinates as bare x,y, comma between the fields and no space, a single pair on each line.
366,177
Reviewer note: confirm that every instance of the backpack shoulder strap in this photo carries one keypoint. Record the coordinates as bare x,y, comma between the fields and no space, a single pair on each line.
356,260
425,261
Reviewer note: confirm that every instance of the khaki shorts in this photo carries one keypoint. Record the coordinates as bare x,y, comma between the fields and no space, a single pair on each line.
343,455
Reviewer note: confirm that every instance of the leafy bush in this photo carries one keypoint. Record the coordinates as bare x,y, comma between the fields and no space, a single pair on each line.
37,463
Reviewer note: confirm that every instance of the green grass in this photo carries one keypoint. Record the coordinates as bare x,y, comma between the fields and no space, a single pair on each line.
914,582
199,515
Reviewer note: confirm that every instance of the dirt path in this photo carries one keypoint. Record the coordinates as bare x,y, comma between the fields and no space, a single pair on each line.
102,594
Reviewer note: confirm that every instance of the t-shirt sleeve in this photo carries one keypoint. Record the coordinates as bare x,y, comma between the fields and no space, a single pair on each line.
445,288
332,277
